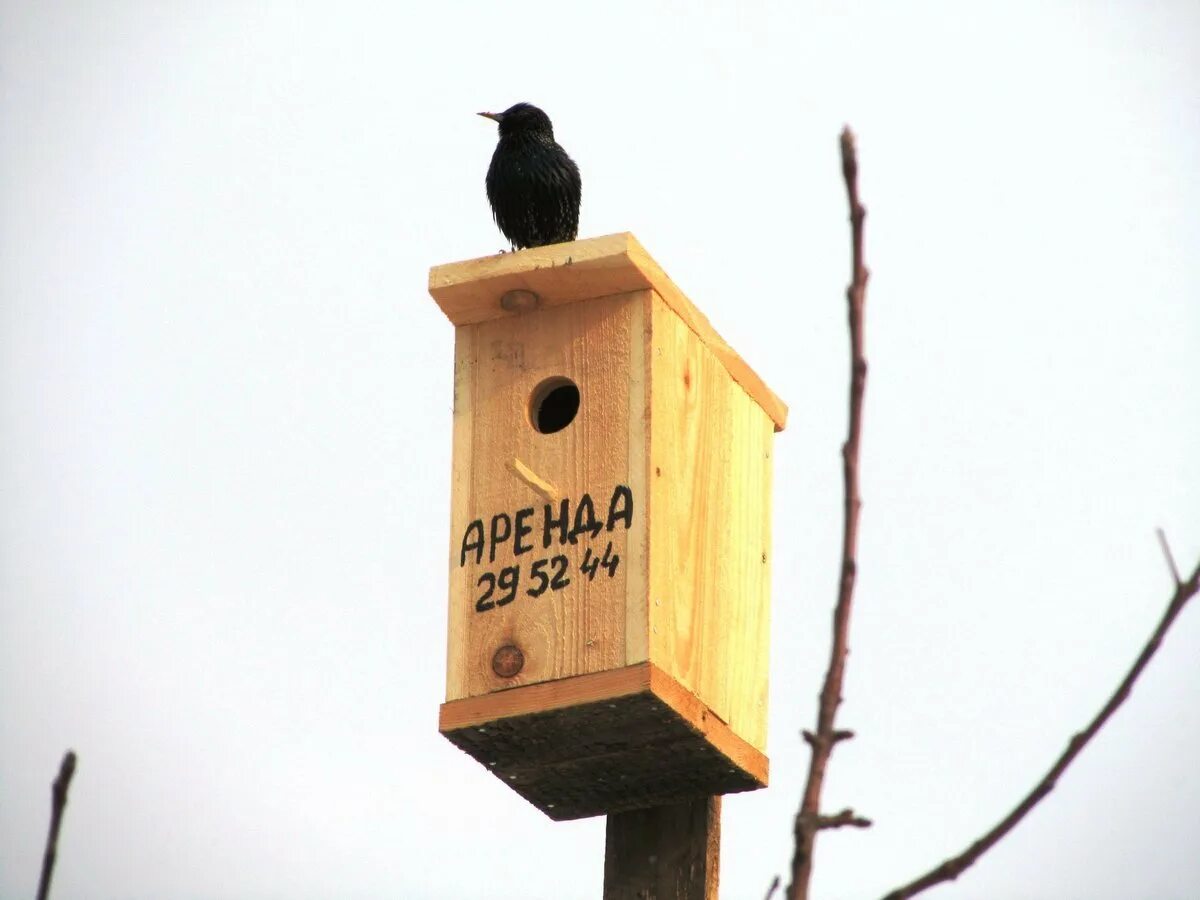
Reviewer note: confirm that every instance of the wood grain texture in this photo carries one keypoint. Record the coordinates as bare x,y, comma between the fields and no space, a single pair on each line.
665,853
710,516
637,612
544,697
469,292
499,461
642,687
602,743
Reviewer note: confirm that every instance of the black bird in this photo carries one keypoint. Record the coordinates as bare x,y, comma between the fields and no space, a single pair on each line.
532,185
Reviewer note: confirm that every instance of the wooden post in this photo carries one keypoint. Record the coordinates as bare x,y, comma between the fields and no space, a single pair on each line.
664,853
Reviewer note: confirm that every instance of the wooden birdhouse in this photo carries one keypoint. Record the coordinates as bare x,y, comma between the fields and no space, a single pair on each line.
610,538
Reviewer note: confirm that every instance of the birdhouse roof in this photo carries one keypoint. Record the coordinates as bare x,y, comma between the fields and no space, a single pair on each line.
470,292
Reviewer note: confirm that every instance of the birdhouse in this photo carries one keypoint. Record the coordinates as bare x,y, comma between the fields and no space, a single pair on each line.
610,533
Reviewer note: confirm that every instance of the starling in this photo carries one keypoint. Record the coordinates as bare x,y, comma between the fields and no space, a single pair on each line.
532,185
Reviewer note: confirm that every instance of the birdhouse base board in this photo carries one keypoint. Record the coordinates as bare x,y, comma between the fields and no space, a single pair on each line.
604,743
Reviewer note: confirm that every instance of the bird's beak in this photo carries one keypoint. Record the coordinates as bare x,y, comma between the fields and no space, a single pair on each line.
495,117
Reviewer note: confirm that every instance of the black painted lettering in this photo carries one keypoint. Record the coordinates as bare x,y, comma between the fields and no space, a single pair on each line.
620,508
585,519
497,536
589,564
484,603
610,560
561,523
522,530
560,579
538,572
472,540
508,580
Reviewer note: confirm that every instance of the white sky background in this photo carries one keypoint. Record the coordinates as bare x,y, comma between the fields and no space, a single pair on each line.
225,410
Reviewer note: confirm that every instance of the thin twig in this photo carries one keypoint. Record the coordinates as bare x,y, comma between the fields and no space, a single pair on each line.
952,868
1166,549
808,820
773,888
846,818
58,803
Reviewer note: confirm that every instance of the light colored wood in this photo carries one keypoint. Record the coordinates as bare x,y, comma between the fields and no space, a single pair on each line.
637,612
469,292
499,364
643,678
710,515
545,696
672,649
739,370
708,723
536,483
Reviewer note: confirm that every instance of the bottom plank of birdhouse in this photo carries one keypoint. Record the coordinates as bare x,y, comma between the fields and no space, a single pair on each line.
604,743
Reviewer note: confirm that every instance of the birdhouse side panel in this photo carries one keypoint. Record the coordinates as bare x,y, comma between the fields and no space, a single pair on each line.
710,473
548,527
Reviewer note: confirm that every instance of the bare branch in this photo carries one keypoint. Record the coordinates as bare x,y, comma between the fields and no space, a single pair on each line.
808,819
952,868
837,736
1166,549
773,888
58,803
846,818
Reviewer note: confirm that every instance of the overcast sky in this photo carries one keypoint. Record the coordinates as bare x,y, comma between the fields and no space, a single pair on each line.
225,424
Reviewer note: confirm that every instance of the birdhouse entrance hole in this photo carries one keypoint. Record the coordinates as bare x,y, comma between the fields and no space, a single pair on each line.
554,404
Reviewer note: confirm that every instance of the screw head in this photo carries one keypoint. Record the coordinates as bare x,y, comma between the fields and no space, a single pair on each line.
519,300
508,661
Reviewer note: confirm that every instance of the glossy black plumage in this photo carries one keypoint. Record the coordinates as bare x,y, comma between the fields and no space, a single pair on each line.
532,185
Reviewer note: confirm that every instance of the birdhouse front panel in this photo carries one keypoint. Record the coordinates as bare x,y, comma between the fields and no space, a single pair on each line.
549,521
